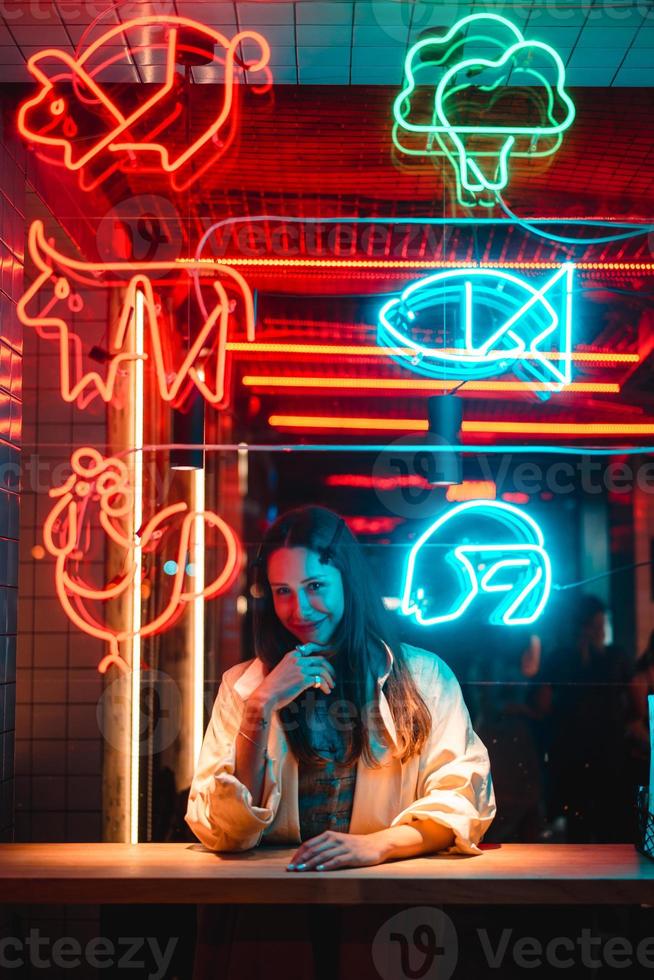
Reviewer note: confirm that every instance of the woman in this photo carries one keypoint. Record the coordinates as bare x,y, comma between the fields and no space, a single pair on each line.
334,737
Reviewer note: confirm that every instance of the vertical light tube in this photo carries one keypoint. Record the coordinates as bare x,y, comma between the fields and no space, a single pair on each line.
198,612
137,482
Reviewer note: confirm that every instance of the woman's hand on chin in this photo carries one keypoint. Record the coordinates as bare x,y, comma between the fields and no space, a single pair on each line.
331,851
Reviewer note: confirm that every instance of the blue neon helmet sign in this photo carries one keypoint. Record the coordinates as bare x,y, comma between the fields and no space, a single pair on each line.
480,547
478,323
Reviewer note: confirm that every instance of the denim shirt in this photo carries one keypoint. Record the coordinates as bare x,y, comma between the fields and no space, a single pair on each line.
325,792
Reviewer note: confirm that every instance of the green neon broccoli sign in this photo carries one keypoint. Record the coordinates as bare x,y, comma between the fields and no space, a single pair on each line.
492,96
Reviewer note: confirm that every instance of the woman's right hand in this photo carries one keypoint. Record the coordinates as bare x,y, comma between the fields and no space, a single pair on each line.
294,673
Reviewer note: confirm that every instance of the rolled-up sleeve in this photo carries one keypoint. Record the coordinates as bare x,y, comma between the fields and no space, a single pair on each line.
220,811
454,780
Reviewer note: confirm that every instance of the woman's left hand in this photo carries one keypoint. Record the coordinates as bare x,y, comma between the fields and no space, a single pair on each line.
331,851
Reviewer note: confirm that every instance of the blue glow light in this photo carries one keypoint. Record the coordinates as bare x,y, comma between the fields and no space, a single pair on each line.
491,321
511,564
170,567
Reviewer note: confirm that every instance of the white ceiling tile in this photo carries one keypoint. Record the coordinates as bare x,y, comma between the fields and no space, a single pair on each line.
591,57
376,36
120,73
146,8
220,15
14,73
76,12
275,34
556,37
583,77
21,12
50,36
392,58
307,12
150,56
11,55
381,12
282,57
259,14
327,35
286,75
601,37
30,49
616,14
372,76
644,38
310,57
639,58
444,15
636,77
554,16
324,76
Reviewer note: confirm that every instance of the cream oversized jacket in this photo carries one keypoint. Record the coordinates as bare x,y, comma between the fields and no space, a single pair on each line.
449,782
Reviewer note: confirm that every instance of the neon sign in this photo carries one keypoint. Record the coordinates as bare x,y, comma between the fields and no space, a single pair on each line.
488,322
166,287
472,110
100,487
76,122
503,556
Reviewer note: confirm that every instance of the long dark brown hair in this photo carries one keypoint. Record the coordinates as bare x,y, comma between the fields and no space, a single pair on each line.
356,644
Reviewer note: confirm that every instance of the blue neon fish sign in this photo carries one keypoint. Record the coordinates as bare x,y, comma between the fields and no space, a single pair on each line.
478,547
471,324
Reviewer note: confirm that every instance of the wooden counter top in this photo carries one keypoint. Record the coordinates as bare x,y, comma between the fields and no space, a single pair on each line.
186,873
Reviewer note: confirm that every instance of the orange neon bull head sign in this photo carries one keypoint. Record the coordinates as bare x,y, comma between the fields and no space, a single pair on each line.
56,299
94,506
80,120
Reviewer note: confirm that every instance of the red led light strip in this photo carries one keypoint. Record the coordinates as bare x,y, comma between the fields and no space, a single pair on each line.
551,429
383,386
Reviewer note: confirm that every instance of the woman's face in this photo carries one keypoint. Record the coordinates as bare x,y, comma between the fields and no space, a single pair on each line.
307,594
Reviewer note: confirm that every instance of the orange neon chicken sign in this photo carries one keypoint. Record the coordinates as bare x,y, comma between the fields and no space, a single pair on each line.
97,498
168,288
77,119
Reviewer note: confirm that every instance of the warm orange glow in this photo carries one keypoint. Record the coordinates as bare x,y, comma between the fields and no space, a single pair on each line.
563,428
67,532
134,134
371,350
347,422
553,429
384,386
472,490
173,380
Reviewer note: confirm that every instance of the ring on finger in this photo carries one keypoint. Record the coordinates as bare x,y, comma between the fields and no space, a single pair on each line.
316,681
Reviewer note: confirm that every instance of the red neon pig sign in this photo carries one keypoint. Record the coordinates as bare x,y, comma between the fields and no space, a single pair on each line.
76,119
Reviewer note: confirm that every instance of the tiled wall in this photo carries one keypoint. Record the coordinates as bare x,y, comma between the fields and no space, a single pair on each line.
12,233
59,746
